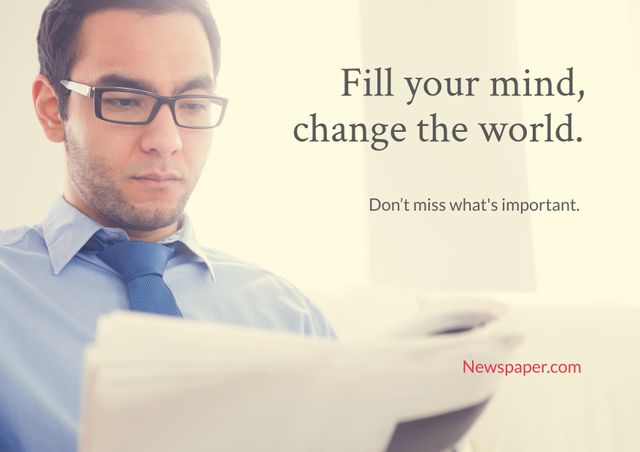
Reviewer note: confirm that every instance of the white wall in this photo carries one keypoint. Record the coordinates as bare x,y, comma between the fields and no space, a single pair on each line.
593,255
447,250
299,211
30,168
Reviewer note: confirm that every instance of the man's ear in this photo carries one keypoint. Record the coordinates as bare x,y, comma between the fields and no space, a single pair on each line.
45,103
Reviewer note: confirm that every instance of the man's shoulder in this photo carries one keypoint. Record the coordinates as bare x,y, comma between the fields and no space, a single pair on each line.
264,286
220,257
234,267
22,253
13,237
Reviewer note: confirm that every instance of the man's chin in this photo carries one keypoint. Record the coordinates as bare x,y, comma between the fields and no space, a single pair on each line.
150,216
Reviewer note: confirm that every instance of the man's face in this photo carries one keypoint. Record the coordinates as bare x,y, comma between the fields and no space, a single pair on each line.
138,177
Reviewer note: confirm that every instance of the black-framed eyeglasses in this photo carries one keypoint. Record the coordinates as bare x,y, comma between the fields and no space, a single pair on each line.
138,107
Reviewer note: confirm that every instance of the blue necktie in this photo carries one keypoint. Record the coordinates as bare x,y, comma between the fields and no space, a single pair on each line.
141,265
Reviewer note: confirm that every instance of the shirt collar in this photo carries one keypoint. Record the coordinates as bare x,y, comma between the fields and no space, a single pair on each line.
187,236
66,230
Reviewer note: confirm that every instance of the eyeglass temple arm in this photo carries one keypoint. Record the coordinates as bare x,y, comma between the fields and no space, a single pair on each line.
79,88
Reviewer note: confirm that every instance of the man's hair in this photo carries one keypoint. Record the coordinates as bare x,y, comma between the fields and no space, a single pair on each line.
62,19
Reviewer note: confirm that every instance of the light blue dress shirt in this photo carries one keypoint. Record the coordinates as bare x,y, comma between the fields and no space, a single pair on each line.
52,292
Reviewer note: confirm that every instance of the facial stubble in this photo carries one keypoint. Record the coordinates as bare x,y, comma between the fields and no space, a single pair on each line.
97,185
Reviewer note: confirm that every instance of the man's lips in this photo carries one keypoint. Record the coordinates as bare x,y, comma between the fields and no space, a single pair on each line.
157,180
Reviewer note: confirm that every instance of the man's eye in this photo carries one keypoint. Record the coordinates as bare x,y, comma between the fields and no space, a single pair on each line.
194,107
122,102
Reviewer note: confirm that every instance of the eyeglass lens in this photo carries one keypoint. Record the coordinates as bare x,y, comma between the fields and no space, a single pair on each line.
136,108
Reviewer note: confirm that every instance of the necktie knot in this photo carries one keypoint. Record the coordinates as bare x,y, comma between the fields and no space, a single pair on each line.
132,259
141,266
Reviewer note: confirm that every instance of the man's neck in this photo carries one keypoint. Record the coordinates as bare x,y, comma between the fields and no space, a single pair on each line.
152,236
144,236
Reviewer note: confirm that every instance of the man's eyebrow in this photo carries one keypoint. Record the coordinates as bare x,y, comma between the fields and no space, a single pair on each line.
204,82
116,80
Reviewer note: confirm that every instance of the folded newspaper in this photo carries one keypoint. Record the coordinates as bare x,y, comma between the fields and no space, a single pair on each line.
156,384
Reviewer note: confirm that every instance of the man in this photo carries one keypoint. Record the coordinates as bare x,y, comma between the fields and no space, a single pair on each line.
128,87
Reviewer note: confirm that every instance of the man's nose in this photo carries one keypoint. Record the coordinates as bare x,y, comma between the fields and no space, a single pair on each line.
162,135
